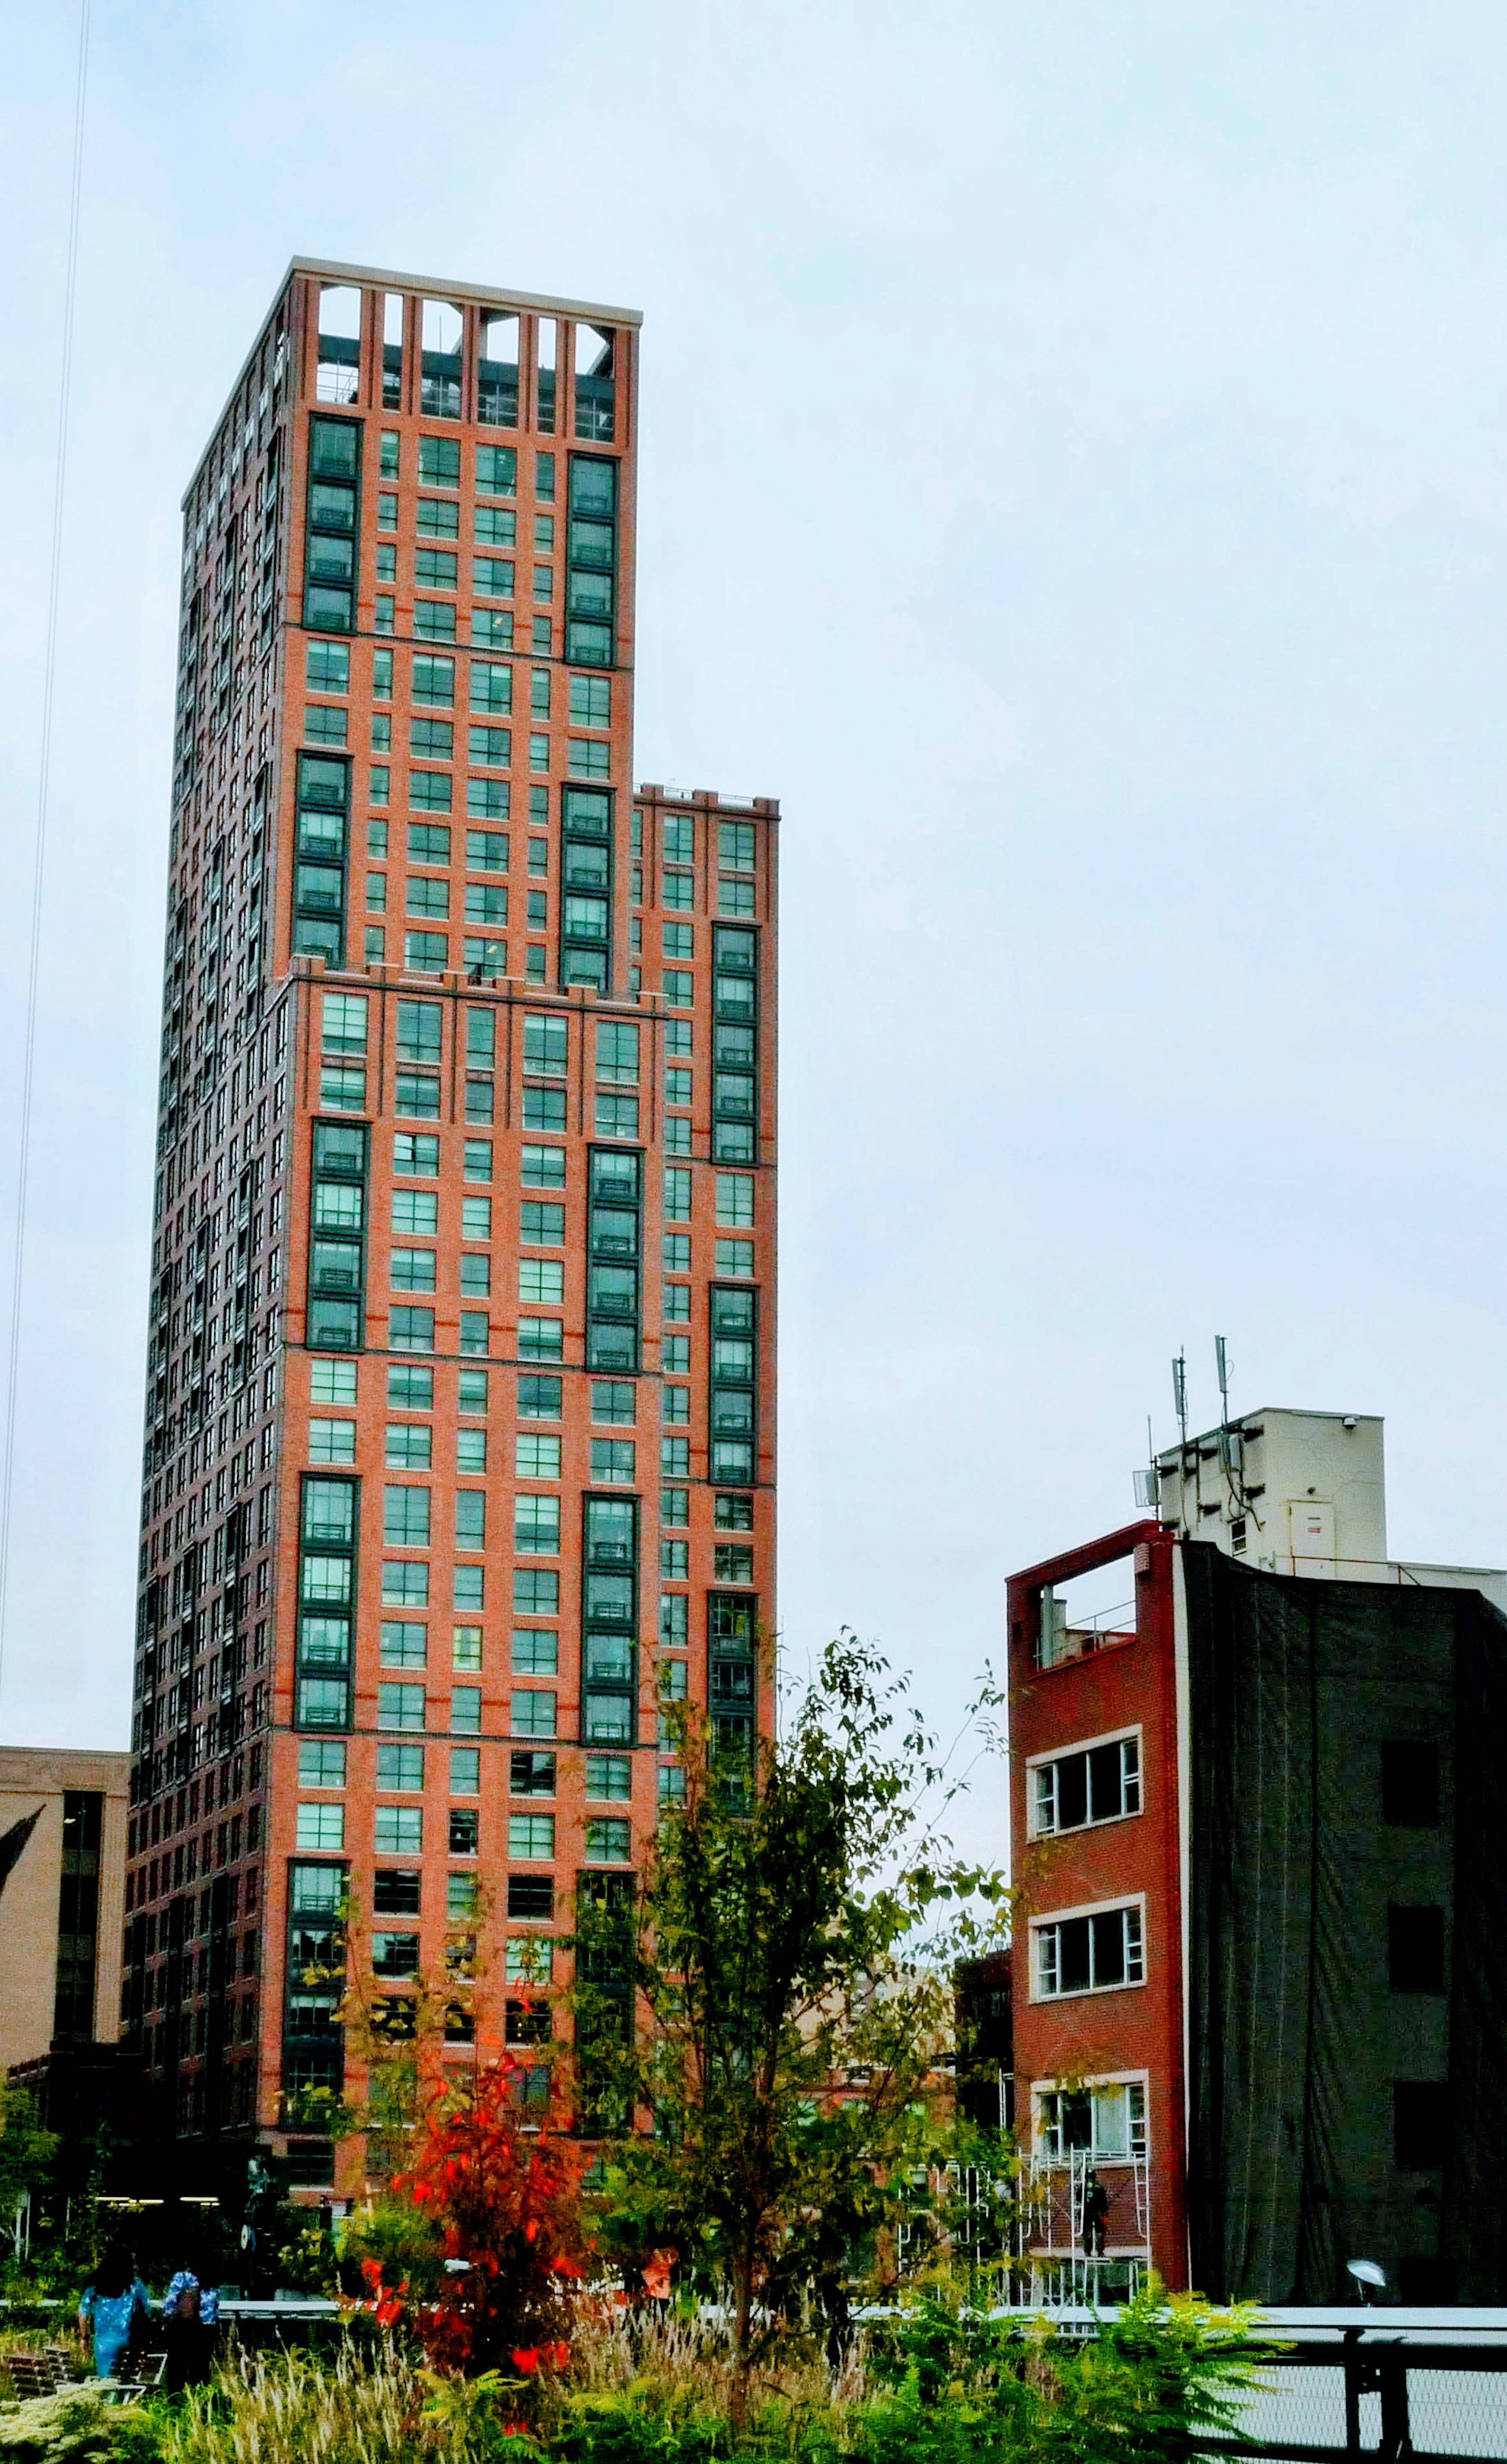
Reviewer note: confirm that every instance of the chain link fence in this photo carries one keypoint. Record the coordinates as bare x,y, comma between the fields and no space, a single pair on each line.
1383,2391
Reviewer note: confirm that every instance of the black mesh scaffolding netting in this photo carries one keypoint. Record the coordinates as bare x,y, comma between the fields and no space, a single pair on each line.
1303,2152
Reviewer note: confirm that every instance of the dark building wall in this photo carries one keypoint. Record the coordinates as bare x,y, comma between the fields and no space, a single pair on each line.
1347,1953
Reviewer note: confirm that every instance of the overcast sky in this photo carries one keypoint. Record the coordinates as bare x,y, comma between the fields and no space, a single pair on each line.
1073,483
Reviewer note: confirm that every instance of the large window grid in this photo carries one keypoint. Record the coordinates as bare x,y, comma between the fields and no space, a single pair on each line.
337,1237
319,889
329,554
615,1242
734,1369
591,560
731,1679
586,889
313,2047
609,1621
329,1519
735,1076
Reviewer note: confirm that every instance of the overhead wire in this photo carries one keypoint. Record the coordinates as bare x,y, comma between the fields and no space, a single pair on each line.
39,855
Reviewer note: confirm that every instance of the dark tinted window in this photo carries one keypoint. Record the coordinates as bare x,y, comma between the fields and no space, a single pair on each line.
1420,2126
1411,1786
395,1892
1415,1950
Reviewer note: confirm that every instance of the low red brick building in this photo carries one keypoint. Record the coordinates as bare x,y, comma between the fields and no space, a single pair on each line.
1260,1976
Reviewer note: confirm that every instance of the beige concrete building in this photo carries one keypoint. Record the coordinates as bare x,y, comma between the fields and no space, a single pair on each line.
62,1899
1299,1493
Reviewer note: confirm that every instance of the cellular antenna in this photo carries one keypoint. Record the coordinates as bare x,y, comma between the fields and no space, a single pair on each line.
1180,1394
1222,1373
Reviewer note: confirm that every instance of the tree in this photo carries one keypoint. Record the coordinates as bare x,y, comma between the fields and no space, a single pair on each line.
500,2202
26,2154
777,1946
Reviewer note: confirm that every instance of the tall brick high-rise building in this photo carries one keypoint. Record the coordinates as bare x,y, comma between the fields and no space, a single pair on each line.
460,1445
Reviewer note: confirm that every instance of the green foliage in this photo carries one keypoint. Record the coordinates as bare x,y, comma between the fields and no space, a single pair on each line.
798,2009
631,2427
78,2426
407,2245
958,2388
971,2387
26,2149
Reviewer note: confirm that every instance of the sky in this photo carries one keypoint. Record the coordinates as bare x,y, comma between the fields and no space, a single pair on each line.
1072,484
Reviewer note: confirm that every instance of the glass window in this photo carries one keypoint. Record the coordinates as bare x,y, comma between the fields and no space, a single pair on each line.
536,1526
538,1397
332,1441
416,1210
465,1770
321,1762
542,1279
407,1446
327,667
404,1643
321,1826
399,1829
401,1768
536,1592
1101,1785
536,1457
608,1840
531,1835
1089,1954
405,1582
540,1338
532,1711
608,1778
735,1197
544,1167
404,1517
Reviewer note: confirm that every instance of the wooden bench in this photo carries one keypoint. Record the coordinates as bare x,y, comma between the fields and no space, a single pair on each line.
41,2373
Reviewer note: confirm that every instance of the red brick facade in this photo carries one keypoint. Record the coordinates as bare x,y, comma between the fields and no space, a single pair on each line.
344,967
1113,1685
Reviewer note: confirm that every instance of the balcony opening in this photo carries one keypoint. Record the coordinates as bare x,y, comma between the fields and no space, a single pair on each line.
1086,1614
497,377
339,371
548,333
392,351
594,384
439,363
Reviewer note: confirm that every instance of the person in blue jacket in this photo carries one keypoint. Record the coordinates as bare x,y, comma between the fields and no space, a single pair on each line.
111,2306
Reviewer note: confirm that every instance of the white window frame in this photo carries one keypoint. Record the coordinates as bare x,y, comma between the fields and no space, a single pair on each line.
1132,1733
1041,2089
1128,1902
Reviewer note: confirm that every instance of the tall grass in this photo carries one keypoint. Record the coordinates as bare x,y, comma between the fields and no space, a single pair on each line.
355,2408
